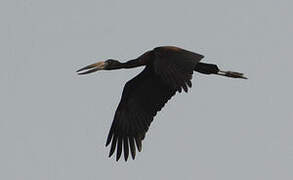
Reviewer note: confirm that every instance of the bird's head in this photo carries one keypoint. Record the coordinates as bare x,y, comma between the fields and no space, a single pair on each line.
102,65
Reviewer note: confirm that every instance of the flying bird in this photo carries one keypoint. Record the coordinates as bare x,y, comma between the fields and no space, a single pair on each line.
168,69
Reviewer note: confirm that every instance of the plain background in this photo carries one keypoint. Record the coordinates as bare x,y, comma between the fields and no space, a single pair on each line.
53,123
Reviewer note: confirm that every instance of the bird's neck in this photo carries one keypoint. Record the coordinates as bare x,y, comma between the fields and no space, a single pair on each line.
132,63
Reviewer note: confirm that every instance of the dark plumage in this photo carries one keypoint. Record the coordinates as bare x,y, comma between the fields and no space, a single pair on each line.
167,70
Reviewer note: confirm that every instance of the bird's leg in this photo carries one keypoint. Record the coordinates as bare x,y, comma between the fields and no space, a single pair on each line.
231,74
213,69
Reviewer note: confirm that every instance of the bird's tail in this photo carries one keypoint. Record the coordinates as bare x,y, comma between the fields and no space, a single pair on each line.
213,69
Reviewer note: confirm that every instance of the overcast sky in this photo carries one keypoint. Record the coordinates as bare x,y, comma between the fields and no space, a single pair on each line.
53,123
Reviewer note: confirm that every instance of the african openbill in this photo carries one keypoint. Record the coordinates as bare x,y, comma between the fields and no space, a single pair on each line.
168,69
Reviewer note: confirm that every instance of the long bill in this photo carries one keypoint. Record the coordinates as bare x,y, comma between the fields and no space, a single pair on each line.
91,68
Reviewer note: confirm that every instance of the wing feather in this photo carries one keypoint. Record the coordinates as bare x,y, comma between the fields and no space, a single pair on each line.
175,66
170,70
142,98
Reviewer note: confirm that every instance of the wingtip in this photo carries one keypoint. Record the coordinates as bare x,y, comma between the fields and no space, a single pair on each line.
110,154
125,158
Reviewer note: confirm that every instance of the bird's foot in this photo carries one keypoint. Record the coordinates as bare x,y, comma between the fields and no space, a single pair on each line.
232,74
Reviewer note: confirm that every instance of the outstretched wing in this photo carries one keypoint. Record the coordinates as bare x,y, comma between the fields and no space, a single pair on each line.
175,66
142,98
169,70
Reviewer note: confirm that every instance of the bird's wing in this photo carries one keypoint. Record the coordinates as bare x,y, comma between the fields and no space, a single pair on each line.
175,66
142,98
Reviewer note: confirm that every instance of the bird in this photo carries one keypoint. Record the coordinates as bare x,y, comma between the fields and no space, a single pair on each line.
168,69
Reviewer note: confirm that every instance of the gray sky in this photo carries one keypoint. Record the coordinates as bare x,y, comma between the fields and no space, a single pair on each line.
53,123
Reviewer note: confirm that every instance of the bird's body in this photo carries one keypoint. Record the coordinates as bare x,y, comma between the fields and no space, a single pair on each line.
168,69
